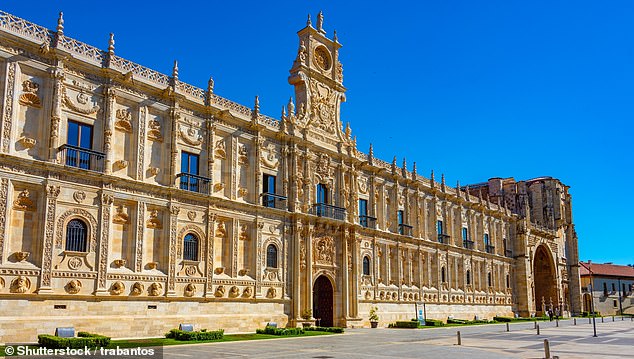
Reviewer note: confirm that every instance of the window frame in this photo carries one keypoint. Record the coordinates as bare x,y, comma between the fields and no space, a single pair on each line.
270,257
196,254
366,259
77,243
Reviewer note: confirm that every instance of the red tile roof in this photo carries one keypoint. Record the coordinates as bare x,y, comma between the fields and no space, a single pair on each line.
601,269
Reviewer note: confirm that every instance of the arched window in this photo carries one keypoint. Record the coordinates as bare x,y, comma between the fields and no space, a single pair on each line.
271,256
190,247
489,279
366,265
443,279
468,277
76,235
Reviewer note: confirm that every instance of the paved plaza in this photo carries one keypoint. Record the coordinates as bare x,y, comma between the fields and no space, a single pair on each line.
614,340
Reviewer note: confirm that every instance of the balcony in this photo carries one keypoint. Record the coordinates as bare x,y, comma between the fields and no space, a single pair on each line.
467,244
326,210
443,238
489,248
405,229
367,222
272,200
83,158
193,183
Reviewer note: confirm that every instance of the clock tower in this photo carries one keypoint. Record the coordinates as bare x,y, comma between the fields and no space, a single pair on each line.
317,76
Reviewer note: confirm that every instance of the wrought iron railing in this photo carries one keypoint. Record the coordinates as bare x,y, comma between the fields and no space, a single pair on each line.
326,210
193,183
467,243
489,248
443,238
367,222
272,200
83,158
405,229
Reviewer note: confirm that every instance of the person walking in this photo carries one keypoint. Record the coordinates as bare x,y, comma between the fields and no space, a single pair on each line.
550,314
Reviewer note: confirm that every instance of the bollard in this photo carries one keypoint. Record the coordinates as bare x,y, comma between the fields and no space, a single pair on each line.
612,318
557,323
535,325
459,340
601,319
621,318
590,320
574,321
537,329
507,326
546,349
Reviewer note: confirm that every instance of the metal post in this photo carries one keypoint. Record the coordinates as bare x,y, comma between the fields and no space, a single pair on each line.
459,340
557,323
546,349
537,329
601,319
620,302
535,325
612,318
574,321
507,326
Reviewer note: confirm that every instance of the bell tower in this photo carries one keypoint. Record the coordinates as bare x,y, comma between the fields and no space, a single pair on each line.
317,76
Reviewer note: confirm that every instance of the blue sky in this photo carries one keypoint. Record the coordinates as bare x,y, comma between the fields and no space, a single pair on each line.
471,89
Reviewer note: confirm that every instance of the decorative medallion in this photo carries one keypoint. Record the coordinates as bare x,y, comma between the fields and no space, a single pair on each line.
123,122
155,289
117,288
73,287
23,202
234,292
79,196
322,58
21,284
75,263
190,290
137,288
30,97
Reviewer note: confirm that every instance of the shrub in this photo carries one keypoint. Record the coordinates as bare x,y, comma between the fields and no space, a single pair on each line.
84,339
280,331
434,323
404,324
199,336
325,329
503,319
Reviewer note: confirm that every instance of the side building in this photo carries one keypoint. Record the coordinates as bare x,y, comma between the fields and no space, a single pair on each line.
131,201
608,287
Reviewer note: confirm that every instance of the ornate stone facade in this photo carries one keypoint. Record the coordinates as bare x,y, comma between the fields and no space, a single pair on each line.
275,214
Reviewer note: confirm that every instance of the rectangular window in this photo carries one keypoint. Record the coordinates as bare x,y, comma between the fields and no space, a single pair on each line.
486,239
399,220
268,188
79,135
439,227
465,235
189,170
363,212
615,303
322,193
613,287
605,288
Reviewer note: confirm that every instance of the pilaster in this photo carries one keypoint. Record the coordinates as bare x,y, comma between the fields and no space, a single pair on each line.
174,210
52,192
107,199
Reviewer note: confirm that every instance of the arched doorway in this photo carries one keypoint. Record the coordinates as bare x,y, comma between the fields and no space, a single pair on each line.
323,301
545,281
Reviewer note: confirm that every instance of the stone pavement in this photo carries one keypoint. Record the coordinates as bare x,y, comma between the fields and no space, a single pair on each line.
614,340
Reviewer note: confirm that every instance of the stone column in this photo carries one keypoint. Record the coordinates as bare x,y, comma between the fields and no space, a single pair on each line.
345,289
9,96
57,76
354,307
211,140
52,192
296,272
209,253
140,158
309,269
105,209
108,129
4,204
173,243
259,256
139,237
174,116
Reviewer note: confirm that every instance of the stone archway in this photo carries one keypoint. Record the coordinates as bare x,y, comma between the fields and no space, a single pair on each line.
323,295
545,281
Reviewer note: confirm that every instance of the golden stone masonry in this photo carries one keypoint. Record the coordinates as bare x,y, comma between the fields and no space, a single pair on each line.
131,202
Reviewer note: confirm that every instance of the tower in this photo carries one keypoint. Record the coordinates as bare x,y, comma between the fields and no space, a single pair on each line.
317,76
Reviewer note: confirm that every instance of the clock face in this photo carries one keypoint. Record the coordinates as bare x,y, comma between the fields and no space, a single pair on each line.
322,58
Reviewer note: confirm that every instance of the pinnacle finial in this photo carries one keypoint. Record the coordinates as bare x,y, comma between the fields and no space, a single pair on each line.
308,22
210,85
256,106
320,22
334,36
432,176
348,130
283,111
371,150
111,45
414,168
175,70
442,178
404,164
291,106
60,24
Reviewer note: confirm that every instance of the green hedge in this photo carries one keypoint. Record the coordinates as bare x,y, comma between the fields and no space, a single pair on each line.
280,331
325,329
503,319
403,324
434,323
199,336
84,339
